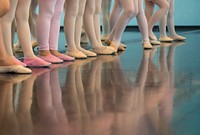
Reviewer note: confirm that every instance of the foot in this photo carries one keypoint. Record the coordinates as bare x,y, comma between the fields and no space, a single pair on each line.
51,59
165,39
34,44
155,42
146,45
84,38
178,38
18,62
36,62
103,38
61,56
103,50
87,52
76,54
152,36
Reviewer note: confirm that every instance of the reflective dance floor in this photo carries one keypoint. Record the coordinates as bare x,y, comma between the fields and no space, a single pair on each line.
135,92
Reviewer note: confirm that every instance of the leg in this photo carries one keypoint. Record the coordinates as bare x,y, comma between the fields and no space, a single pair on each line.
116,11
78,29
72,9
170,22
91,16
163,8
143,26
128,13
106,5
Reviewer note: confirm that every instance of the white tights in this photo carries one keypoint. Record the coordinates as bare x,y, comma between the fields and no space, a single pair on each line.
20,10
168,20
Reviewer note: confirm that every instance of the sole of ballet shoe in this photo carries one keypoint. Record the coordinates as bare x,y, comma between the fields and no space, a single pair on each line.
17,69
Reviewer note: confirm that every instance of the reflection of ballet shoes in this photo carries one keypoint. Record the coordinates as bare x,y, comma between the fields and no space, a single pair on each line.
76,54
178,38
104,50
18,69
165,39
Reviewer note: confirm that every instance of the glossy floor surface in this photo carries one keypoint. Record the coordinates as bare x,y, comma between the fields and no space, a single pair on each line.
136,92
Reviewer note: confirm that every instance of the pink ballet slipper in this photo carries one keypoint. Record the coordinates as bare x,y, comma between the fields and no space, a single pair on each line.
18,62
36,62
65,57
52,59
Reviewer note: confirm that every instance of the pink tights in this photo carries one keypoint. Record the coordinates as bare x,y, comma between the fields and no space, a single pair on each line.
48,23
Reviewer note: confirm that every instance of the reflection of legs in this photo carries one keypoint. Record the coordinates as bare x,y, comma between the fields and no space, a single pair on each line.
10,125
106,5
24,106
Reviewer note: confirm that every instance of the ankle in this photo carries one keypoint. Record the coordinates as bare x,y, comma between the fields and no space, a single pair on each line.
44,52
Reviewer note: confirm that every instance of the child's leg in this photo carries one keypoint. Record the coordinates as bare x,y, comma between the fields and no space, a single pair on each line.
163,8
46,11
106,5
116,11
70,20
6,23
127,14
96,18
23,29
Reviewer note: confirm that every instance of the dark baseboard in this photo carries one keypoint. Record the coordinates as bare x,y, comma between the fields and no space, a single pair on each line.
156,28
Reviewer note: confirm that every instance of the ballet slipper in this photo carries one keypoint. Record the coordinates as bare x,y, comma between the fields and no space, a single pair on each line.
108,42
65,57
154,42
114,46
152,37
51,59
18,62
17,69
76,54
178,38
165,39
88,53
84,39
36,62
104,50
146,45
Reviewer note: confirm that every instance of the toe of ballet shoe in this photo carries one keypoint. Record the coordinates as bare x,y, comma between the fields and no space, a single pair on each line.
147,45
88,53
65,57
